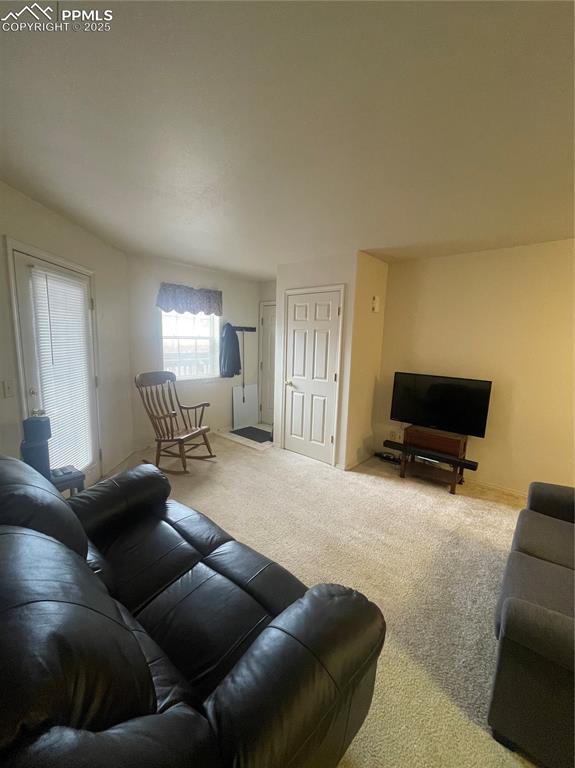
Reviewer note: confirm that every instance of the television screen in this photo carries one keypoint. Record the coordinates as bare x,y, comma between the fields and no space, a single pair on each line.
441,402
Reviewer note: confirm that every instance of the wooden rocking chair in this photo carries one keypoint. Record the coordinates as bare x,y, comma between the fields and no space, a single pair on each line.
173,422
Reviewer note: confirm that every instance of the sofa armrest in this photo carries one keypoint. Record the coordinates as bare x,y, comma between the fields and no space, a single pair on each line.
283,695
178,738
110,502
547,633
553,500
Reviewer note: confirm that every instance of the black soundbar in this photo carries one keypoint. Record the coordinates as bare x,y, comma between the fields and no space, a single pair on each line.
424,453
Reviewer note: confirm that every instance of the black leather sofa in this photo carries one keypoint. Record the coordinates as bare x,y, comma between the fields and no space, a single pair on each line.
532,699
136,633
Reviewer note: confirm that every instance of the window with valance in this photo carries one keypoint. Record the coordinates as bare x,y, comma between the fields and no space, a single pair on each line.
190,330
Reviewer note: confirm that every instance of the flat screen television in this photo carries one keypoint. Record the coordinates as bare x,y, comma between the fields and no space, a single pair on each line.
441,402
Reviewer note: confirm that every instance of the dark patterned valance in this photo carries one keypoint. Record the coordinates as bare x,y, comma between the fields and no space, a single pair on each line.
182,298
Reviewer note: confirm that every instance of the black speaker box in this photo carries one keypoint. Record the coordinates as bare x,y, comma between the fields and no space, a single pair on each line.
37,429
37,456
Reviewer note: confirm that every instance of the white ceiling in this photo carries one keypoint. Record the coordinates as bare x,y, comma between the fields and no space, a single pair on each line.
243,135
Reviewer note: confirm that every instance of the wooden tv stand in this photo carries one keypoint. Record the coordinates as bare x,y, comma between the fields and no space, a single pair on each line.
445,447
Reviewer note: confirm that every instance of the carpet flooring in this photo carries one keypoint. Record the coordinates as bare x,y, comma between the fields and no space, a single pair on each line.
431,561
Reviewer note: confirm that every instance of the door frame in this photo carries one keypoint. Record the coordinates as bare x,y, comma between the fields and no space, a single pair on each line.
295,292
263,304
37,253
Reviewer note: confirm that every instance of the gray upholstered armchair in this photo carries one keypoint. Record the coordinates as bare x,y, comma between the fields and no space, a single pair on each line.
532,699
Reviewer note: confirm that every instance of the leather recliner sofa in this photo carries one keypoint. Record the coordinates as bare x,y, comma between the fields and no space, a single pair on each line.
136,633
532,699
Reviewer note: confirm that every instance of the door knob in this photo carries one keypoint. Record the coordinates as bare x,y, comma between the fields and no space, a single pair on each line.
289,383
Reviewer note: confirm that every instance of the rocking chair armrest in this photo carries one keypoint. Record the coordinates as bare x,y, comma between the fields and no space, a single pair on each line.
164,416
192,407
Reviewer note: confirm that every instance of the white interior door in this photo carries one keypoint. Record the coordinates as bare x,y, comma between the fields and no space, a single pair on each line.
53,311
267,362
313,332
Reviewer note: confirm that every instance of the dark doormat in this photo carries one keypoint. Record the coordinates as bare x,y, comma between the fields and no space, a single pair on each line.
253,433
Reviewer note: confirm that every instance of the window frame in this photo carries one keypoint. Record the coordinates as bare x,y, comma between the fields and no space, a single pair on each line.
213,339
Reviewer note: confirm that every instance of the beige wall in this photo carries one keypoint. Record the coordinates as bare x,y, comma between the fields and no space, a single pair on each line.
268,291
316,274
33,224
240,306
504,315
367,338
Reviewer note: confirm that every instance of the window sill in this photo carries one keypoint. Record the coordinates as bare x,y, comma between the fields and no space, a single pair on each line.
202,380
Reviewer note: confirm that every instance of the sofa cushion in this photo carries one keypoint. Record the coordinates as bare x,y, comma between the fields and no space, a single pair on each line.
29,500
553,500
170,687
146,557
69,654
547,538
203,596
536,581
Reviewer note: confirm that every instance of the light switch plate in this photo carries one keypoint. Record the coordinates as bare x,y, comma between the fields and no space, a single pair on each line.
8,388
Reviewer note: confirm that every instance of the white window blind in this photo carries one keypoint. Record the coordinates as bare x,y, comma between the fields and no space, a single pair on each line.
191,344
63,349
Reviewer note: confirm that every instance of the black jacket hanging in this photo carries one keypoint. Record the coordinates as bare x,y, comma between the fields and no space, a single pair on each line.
230,362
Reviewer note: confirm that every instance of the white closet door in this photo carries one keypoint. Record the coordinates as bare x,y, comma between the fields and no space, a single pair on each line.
313,330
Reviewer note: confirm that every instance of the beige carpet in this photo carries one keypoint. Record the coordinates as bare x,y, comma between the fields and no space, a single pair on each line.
431,561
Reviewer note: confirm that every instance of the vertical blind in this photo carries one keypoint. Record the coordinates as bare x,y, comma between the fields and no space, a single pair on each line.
63,350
